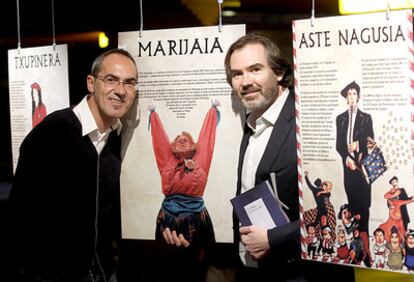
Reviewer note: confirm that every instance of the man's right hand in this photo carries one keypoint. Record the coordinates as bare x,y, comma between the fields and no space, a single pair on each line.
171,238
350,164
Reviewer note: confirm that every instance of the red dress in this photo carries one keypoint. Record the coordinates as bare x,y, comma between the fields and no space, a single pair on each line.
173,181
395,217
38,115
183,207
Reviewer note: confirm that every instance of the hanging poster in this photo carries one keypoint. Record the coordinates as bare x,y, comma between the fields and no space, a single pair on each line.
354,87
182,152
38,85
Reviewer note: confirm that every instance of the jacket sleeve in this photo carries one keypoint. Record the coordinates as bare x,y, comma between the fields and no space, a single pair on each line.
284,241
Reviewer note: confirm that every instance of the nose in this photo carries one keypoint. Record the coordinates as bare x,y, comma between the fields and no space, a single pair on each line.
120,88
247,79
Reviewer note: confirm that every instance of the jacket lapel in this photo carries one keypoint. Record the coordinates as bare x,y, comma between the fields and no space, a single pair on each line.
247,132
279,134
359,121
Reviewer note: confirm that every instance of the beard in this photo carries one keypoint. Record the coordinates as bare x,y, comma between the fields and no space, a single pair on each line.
262,102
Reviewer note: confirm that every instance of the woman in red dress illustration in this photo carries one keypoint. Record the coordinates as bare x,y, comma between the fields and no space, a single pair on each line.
184,167
38,108
394,214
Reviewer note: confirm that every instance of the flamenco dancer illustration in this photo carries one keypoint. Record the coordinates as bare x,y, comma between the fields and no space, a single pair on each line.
184,167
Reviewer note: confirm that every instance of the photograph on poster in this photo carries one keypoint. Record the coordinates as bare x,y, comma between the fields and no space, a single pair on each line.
182,92
354,106
184,166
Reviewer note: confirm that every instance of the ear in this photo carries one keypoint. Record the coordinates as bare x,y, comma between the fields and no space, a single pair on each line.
90,83
279,76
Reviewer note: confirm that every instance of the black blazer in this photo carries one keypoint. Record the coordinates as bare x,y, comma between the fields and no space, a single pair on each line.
279,157
361,131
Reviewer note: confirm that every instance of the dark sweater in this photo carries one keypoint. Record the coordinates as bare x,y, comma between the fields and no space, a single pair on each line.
53,200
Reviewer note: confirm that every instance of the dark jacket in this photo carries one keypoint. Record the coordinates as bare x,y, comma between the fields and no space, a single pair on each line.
283,263
279,157
64,204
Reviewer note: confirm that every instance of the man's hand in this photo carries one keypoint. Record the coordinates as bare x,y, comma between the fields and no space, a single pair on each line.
171,238
254,238
354,146
350,164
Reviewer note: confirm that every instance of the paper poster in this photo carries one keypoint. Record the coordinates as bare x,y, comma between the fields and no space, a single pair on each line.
181,80
38,85
354,93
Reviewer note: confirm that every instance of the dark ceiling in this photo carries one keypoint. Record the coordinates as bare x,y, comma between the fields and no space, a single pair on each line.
75,20
113,16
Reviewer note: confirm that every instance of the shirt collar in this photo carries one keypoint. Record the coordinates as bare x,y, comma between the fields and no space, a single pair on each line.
84,114
271,115
354,110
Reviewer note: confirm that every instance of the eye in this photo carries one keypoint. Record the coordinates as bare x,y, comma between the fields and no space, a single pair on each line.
236,73
130,82
111,80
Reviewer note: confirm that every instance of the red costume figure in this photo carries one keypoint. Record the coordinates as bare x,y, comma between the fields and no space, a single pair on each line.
184,167
395,216
38,108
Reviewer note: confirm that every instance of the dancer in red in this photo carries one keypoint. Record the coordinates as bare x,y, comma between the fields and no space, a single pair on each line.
395,216
184,166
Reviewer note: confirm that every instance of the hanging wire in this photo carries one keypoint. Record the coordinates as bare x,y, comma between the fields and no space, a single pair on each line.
141,27
18,26
53,26
388,11
219,2
312,13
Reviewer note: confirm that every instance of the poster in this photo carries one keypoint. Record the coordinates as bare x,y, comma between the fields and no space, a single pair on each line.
354,90
38,85
181,74
354,87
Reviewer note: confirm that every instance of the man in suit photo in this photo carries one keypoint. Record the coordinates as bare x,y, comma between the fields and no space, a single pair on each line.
354,136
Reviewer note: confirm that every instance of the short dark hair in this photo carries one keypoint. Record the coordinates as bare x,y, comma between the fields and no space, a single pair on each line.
393,178
275,59
97,63
379,229
341,209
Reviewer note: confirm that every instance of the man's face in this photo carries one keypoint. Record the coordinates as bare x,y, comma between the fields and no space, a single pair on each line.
410,241
346,214
311,230
352,97
394,238
394,183
356,233
254,82
341,236
379,237
112,102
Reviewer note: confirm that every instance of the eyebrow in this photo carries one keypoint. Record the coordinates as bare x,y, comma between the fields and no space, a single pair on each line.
117,77
256,65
